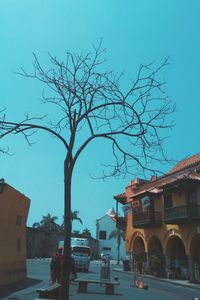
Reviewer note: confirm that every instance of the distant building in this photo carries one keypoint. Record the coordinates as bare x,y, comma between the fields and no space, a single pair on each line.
104,226
43,243
14,208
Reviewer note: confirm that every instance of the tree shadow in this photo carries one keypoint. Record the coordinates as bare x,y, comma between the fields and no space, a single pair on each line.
6,290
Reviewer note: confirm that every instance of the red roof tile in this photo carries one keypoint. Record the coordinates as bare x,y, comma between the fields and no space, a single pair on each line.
120,196
185,163
174,175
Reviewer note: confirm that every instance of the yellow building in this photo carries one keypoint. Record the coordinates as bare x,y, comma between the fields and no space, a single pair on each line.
163,224
14,208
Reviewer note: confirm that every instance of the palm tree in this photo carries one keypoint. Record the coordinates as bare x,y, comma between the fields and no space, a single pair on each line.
86,232
36,225
74,216
48,223
120,235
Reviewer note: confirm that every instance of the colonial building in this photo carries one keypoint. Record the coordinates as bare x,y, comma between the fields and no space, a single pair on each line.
104,227
163,221
14,208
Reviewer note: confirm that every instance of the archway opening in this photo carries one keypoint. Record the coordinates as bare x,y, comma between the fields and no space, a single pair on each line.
156,257
178,261
139,256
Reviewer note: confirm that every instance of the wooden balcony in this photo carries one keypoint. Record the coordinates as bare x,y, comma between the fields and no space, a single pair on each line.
121,223
147,219
182,214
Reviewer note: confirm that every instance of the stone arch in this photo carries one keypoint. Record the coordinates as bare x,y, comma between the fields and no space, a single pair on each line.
176,255
154,245
138,245
138,251
156,257
175,247
137,235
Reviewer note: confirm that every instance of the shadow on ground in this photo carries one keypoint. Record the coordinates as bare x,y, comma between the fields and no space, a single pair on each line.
6,290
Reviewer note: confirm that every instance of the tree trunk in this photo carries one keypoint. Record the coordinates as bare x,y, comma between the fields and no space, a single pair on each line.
65,279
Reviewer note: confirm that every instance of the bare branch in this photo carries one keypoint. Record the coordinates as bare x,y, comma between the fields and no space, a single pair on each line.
94,104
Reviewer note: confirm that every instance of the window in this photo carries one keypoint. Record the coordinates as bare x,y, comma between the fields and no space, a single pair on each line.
80,251
102,235
19,220
168,201
192,197
106,248
18,245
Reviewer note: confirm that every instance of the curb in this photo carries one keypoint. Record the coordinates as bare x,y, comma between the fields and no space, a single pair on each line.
188,285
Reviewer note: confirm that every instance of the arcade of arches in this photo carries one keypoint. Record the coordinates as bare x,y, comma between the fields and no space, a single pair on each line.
171,257
163,221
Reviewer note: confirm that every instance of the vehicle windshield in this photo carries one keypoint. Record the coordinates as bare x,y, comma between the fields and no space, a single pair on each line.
81,251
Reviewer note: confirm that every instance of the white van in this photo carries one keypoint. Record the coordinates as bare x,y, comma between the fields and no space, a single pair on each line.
80,252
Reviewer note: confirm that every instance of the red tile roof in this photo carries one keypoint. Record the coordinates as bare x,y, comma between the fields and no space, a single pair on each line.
185,163
121,198
181,171
173,175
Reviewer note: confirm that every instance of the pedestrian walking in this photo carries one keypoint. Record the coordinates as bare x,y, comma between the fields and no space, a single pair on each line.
107,260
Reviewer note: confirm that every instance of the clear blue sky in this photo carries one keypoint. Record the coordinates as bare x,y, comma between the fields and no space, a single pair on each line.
134,32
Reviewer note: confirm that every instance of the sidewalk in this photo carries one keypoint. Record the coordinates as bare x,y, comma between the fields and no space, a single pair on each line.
184,283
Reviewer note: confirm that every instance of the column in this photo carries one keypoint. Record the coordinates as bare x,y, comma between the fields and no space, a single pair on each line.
191,269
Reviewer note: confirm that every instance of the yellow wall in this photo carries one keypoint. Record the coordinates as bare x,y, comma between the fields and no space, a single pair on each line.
185,231
13,237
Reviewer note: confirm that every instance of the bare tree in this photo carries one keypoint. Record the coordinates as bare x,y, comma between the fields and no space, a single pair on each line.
94,104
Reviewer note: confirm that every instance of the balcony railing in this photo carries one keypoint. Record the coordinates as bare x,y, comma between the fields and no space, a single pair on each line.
182,214
121,223
147,219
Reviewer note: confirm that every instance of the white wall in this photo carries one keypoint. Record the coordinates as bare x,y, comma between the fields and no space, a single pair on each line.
107,224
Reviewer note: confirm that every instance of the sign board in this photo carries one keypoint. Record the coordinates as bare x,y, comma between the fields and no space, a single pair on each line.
145,201
127,208
136,203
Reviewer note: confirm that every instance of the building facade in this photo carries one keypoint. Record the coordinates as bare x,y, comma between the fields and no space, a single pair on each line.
104,227
163,221
14,208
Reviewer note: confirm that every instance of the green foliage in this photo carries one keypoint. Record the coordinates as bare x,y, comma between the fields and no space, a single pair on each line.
47,223
74,216
86,232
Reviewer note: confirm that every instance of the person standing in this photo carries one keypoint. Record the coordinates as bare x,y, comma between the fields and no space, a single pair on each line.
56,266
72,268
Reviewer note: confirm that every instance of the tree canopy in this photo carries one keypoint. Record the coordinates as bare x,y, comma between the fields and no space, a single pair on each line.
48,223
94,104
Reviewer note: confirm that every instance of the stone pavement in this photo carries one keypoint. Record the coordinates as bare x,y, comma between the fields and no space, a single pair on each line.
27,290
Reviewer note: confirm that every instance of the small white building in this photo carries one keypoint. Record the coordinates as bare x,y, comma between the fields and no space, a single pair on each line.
104,226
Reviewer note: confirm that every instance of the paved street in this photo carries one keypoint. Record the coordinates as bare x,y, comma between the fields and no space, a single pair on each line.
38,275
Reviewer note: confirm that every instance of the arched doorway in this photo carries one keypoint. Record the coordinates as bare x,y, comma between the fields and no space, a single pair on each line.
156,257
195,256
138,250
178,261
